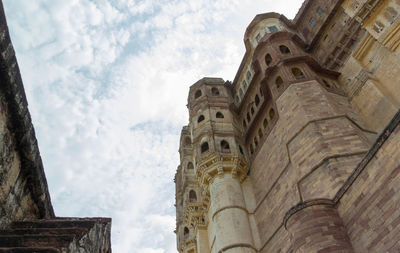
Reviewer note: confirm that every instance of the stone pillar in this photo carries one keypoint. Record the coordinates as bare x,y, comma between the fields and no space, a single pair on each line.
202,240
229,214
315,226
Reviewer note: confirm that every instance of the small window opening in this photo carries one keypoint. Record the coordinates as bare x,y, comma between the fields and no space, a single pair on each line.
313,22
190,166
320,11
219,115
241,150
185,233
197,94
257,100
215,91
265,123
192,196
244,85
272,28
251,149
255,142
268,59
225,146
200,119
278,82
271,113
284,49
204,147
237,99
260,133
248,75
252,110
241,93
298,74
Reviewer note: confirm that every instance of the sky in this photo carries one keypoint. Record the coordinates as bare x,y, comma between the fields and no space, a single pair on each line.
107,84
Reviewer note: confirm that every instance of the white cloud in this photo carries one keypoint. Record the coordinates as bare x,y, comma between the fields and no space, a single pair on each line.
107,85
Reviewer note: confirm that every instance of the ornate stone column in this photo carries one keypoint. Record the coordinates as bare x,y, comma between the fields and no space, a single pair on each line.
315,226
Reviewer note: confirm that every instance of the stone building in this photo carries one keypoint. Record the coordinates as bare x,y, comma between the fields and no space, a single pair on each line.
27,219
301,152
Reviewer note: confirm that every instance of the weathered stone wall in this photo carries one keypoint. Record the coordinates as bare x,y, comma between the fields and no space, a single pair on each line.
370,208
312,140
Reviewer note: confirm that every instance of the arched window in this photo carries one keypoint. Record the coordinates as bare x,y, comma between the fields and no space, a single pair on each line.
225,146
190,166
251,149
257,100
200,119
204,147
187,141
278,82
265,123
268,59
185,233
260,133
219,115
284,49
215,91
241,93
271,113
298,74
192,196
197,94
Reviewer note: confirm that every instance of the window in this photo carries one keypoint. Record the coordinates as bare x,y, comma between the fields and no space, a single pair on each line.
241,93
244,85
252,110
255,142
257,100
241,150
200,119
260,133
185,233
313,22
248,75
204,147
258,37
192,196
284,49
265,123
225,146
320,11
298,74
215,91
190,166
268,59
272,29
271,113
197,94
278,82
251,149
237,99
219,115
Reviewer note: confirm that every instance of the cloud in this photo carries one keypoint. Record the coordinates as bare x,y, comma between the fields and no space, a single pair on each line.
107,85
